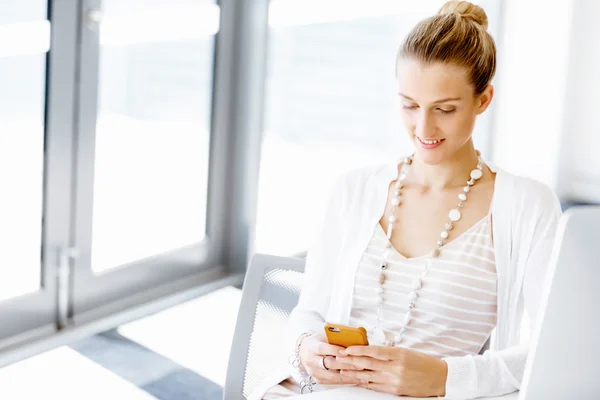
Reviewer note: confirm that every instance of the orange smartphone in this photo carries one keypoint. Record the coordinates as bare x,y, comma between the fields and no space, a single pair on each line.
346,336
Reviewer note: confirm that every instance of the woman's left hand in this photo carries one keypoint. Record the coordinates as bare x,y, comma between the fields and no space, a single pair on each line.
397,370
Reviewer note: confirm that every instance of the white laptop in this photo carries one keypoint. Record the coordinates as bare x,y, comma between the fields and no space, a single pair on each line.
564,358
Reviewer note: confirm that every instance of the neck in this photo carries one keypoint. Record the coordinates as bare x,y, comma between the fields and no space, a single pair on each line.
449,174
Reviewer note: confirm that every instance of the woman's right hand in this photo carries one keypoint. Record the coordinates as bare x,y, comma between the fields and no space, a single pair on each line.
313,349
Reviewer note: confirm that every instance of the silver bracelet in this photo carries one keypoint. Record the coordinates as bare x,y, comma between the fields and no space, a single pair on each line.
300,375
307,384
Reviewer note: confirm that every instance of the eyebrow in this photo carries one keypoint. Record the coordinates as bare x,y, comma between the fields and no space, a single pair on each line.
435,102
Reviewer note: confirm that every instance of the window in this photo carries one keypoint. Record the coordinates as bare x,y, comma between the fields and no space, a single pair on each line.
25,33
152,135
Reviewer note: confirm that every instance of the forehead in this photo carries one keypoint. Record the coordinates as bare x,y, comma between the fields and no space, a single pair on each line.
429,82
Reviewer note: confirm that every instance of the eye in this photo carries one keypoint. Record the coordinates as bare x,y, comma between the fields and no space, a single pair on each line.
407,107
446,111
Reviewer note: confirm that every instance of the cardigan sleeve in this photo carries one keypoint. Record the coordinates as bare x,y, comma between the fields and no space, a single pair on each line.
311,310
498,372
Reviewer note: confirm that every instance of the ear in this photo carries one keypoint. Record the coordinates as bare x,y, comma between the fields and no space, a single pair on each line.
485,99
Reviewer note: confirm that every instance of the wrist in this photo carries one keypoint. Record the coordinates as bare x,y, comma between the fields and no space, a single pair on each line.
296,358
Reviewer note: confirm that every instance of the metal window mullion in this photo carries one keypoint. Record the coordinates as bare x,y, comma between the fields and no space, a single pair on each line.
84,153
236,131
59,166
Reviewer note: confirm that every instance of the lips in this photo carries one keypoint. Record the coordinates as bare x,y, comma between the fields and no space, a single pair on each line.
430,142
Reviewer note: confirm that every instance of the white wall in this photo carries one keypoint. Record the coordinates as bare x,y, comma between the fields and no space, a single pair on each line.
532,69
580,162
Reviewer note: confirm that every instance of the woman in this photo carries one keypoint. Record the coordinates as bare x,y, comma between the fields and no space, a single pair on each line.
437,256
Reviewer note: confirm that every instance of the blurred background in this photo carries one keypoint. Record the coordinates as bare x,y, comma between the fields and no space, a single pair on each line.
149,147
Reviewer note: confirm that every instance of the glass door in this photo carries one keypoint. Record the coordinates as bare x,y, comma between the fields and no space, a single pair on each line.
35,169
144,129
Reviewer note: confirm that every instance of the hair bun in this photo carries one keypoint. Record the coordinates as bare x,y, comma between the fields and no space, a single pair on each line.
466,10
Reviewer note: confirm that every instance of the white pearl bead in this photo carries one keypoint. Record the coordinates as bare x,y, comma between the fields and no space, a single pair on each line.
397,193
407,318
476,174
454,215
462,197
444,235
398,339
395,201
412,296
402,177
466,189
417,284
392,219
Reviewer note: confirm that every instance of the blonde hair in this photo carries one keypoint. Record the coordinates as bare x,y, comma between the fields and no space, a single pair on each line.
456,35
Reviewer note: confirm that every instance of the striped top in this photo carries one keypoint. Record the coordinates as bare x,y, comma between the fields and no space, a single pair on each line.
455,312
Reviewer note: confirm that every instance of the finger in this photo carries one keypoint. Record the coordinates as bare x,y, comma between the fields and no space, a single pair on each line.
380,387
372,376
364,362
331,362
326,349
333,378
379,352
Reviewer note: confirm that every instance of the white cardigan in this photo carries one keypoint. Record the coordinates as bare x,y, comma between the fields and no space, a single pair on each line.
525,214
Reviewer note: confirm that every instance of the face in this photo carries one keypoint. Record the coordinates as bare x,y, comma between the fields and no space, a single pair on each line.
439,108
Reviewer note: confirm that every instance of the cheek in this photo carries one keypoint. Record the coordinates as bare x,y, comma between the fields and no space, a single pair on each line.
408,118
457,125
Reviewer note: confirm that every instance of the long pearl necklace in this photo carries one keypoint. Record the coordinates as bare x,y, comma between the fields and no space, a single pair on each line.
454,216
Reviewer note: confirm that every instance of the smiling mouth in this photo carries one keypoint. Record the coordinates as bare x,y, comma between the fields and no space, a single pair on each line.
430,141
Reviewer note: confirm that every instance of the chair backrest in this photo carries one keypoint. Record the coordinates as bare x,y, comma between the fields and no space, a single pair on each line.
271,290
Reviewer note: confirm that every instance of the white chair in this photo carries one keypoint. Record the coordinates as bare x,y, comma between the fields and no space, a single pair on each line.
270,292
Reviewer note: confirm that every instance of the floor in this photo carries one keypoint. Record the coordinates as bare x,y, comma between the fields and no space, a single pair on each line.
177,354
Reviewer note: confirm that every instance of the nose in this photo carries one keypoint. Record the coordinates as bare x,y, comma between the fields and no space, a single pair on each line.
425,127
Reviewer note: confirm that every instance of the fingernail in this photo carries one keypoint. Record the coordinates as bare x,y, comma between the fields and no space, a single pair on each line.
343,353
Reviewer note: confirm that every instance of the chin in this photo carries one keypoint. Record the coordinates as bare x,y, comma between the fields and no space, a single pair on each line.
431,157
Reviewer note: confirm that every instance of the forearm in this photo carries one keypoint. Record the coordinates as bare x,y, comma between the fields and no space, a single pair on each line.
301,321
494,373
